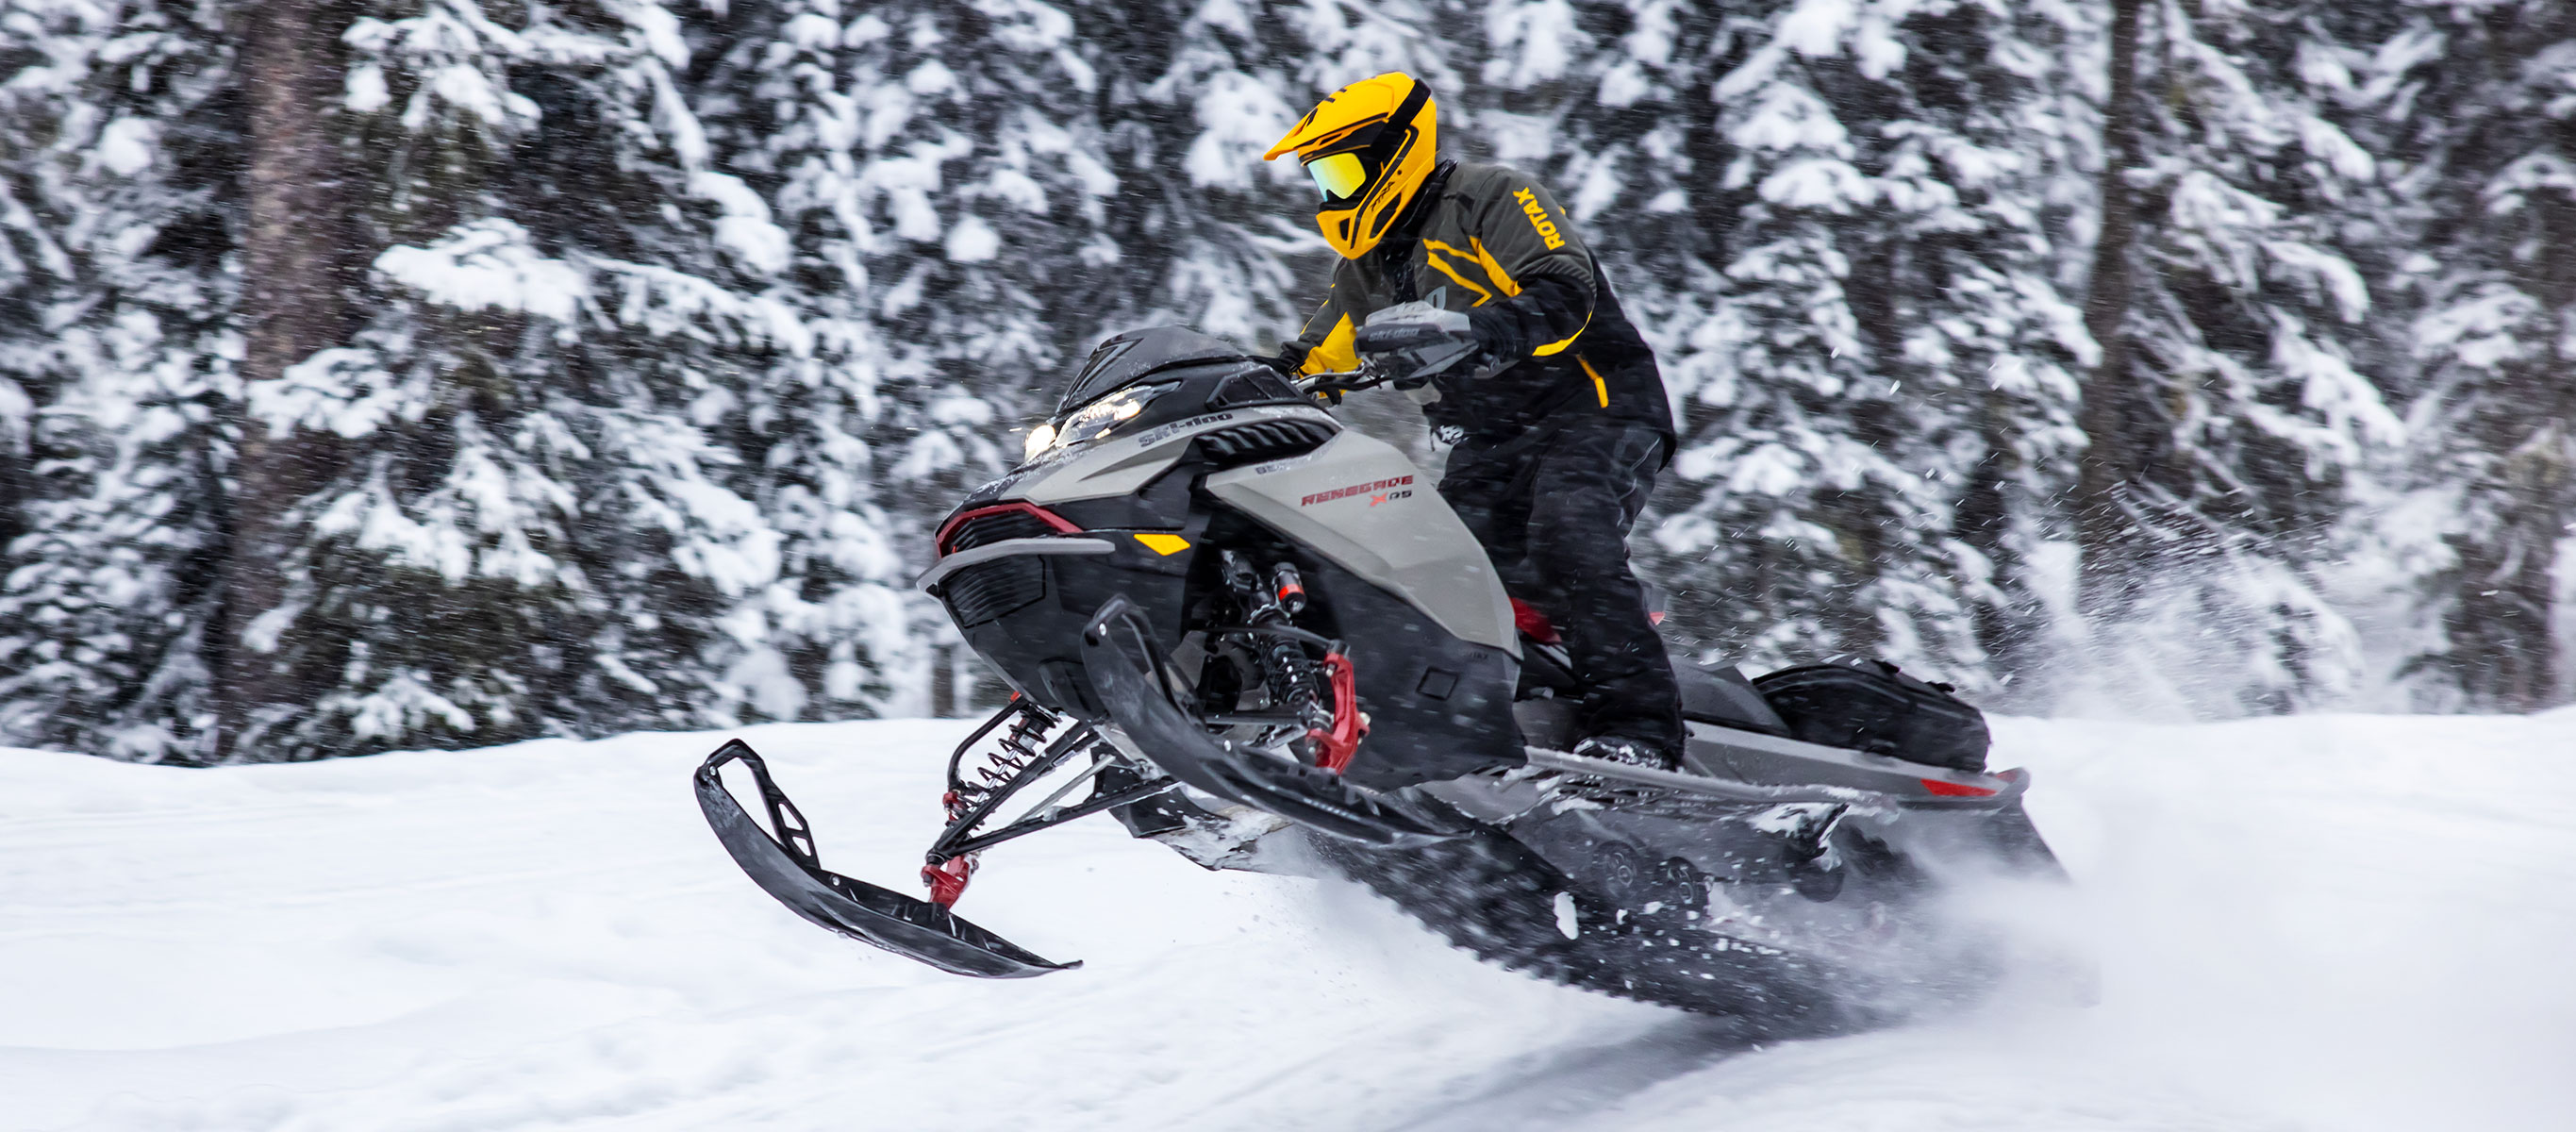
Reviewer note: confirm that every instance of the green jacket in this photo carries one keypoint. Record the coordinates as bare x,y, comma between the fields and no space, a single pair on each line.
1488,240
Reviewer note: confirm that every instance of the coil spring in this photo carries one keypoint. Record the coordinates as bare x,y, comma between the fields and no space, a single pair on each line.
1011,754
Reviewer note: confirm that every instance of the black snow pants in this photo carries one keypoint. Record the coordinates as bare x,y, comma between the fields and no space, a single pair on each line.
1552,506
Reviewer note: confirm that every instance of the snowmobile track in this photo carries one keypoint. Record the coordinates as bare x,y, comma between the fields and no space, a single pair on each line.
1488,895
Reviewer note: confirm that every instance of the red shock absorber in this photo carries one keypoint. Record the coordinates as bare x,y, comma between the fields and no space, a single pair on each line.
1289,588
1334,748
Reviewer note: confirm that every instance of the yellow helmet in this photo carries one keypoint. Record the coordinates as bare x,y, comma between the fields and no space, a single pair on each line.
1369,146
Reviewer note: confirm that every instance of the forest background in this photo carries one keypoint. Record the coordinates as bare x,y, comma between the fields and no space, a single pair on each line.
403,373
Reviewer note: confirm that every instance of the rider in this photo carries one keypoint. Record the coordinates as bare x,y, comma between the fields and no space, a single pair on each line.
1556,409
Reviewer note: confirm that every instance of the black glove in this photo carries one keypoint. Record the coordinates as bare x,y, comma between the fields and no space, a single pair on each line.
1291,359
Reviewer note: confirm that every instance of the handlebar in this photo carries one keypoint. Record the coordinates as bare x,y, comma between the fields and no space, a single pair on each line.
1334,386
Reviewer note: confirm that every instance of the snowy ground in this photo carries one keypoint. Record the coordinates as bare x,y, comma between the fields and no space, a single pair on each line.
2326,923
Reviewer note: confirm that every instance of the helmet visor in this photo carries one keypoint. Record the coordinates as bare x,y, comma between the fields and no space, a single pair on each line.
1338,175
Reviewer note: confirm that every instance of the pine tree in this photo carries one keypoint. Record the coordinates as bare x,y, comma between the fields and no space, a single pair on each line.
2226,415
935,184
2488,137
1204,232
1833,222
537,528
117,378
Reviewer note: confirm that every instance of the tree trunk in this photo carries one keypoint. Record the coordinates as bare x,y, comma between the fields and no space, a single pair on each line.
2111,459
1984,520
2503,640
293,303
16,485
2502,646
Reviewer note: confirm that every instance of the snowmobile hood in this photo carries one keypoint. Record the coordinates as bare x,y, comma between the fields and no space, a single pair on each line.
1122,360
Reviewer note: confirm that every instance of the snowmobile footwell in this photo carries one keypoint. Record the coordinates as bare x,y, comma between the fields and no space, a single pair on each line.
786,867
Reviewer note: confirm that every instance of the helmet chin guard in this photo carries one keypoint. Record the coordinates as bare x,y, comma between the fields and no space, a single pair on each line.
1389,124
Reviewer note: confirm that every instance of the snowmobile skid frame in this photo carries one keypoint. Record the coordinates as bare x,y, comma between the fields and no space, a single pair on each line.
784,862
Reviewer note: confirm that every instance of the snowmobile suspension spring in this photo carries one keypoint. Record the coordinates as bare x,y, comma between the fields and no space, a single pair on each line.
1013,752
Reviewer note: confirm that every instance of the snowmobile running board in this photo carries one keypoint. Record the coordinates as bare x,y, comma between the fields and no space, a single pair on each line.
2010,784
1695,783
785,866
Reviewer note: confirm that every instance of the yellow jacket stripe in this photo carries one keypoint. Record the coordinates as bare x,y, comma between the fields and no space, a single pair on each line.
1568,340
1442,266
1600,388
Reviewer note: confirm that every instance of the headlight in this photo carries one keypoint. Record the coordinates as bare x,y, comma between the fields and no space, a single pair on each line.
1040,439
1093,421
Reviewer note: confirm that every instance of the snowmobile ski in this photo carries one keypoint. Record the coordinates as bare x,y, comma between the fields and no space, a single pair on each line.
787,868
1117,653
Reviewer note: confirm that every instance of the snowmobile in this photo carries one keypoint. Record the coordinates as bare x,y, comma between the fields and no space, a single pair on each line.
1258,637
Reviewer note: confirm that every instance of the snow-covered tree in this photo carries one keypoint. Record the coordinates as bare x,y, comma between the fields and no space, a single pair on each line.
2226,414
1836,221
116,370
2487,136
537,526
384,373
940,186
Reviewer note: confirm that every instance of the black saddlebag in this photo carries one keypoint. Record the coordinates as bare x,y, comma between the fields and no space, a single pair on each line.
1871,706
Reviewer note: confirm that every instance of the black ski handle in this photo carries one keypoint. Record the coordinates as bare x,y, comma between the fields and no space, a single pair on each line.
786,823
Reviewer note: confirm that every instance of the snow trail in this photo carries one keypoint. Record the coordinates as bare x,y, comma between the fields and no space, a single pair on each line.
2323,923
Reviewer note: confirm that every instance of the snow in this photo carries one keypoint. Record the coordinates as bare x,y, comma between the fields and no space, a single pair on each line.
487,263
2332,922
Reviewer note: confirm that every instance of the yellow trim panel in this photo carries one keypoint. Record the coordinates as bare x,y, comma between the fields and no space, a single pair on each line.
1339,352
1165,545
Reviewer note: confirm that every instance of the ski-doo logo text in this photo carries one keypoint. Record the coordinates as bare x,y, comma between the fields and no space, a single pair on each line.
1176,428
1538,219
1373,488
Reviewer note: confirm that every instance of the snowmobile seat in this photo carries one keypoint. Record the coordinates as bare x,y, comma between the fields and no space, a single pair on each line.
1873,706
1720,695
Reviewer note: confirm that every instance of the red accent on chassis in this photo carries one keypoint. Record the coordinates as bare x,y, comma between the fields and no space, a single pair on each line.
947,879
1050,518
1334,748
1534,624
1940,789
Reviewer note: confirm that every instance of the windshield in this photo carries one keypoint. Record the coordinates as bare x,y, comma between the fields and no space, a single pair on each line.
1176,394
1128,358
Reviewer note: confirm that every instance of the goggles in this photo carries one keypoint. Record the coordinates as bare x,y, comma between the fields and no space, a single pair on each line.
1338,175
